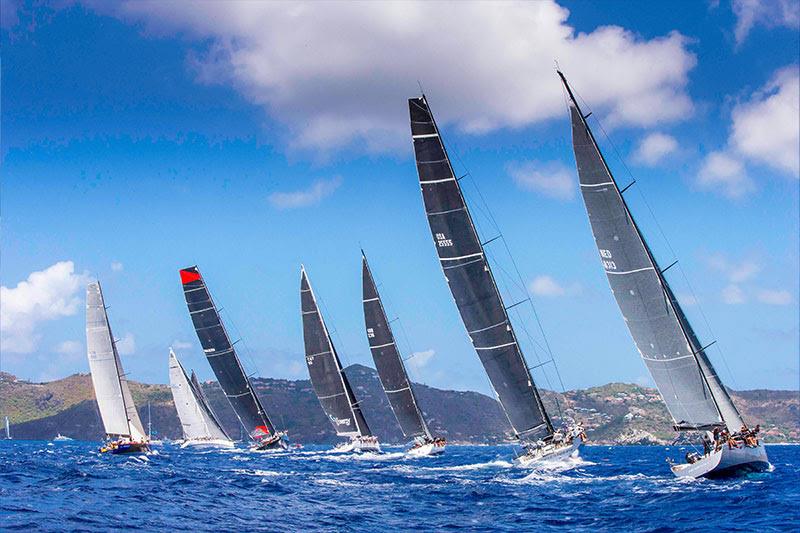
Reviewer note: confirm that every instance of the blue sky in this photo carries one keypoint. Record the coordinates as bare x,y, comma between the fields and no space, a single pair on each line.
139,138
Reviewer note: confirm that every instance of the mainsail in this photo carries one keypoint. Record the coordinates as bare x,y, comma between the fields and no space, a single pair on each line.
693,392
388,362
222,356
197,419
327,376
471,281
110,385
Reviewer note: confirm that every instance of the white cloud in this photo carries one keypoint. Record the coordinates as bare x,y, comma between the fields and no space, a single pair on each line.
774,297
422,358
117,266
46,295
69,348
725,175
769,13
766,128
313,195
181,345
733,295
547,286
734,271
126,345
654,148
550,179
338,73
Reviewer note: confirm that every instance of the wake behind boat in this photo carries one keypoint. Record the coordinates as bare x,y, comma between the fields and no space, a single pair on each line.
121,421
692,391
392,371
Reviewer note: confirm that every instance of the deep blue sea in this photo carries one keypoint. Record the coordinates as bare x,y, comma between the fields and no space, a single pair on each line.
69,486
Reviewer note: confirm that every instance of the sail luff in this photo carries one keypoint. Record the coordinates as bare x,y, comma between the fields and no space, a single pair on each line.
471,280
204,403
686,396
388,362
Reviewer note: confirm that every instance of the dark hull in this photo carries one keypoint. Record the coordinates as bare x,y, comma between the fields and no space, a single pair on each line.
276,443
127,448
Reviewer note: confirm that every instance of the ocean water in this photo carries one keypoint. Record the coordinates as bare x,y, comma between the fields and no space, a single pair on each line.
69,486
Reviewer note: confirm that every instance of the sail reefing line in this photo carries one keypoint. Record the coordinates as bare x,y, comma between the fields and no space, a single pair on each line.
471,281
689,385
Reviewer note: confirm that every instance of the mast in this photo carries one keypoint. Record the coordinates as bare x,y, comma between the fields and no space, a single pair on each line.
685,396
471,281
391,370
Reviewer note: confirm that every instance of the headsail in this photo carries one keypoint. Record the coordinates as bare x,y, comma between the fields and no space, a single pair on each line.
110,385
684,375
327,376
222,356
388,362
203,400
471,282
196,420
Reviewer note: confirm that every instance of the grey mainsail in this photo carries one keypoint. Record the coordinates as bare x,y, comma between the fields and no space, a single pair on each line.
689,385
388,362
471,281
111,389
196,421
222,356
327,376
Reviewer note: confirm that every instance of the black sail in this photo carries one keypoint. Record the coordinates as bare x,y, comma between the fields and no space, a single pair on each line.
694,395
471,282
388,362
222,356
327,376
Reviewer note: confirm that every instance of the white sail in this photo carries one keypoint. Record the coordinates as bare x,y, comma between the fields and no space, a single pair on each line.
195,421
110,386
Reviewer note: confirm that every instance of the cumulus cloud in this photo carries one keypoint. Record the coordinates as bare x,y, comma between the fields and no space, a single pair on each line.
654,148
69,348
46,295
117,266
313,195
769,13
551,179
338,73
547,286
724,174
126,345
774,297
423,358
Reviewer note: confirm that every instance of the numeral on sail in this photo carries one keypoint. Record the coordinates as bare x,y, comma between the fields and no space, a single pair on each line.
442,240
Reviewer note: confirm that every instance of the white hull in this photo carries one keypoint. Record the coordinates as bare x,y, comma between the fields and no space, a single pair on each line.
358,445
549,453
207,443
426,450
725,462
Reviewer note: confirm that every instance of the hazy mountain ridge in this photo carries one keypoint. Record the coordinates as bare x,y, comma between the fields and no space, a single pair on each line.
616,413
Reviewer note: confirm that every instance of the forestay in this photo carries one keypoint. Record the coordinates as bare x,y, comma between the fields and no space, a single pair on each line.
388,362
471,282
197,421
110,385
327,376
687,381
222,356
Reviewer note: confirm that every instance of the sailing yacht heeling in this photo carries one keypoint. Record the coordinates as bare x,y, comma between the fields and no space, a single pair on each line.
692,390
225,363
392,371
328,378
470,279
114,400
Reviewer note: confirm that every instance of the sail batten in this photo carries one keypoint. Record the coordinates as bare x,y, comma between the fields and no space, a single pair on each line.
388,362
222,357
197,420
691,389
471,282
328,379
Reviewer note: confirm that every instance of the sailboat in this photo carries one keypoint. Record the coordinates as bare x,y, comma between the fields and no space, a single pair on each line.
222,357
329,380
693,392
201,427
8,430
123,427
473,286
61,438
392,371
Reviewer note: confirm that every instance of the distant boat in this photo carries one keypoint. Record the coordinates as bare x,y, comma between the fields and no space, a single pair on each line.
123,428
200,425
328,378
61,438
8,430
691,389
225,363
472,284
392,372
